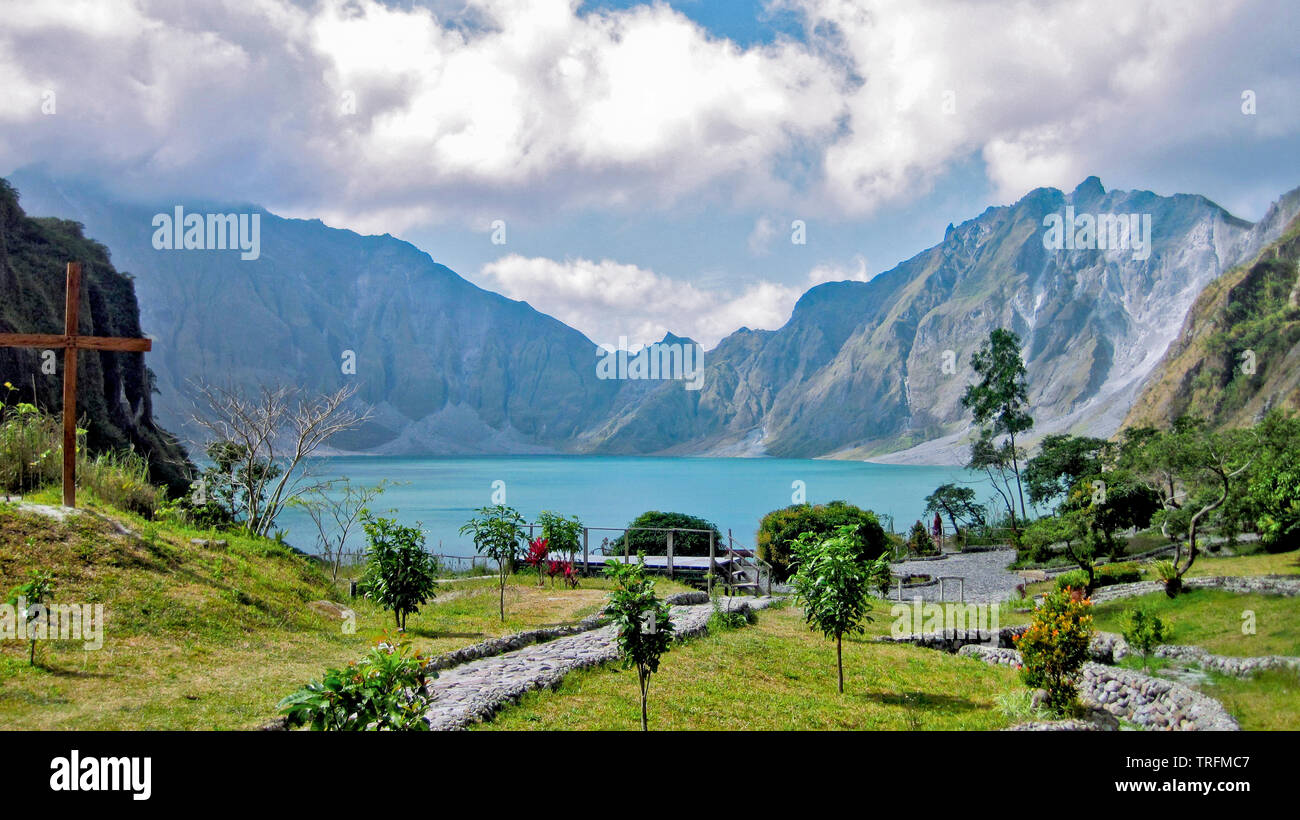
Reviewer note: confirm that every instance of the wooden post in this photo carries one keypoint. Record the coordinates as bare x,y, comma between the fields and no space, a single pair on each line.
627,545
70,386
731,563
670,554
586,551
712,563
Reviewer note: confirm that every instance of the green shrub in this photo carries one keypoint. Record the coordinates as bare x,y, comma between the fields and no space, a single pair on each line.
1074,579
1145,632
1126,573
656,543
1054,647
779,529
399,574
920,542
384,690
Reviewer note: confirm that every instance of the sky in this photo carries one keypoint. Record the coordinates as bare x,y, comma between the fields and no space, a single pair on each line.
639,168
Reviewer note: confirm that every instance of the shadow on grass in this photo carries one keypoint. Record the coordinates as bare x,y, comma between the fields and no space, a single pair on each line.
927,700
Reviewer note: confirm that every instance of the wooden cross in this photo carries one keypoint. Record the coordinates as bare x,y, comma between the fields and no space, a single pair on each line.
71,341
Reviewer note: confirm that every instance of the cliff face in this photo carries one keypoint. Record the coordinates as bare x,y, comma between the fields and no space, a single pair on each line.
1238,353
865,369
113,389
448,367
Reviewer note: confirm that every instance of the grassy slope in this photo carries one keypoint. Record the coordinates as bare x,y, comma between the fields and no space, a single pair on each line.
778,675
200,638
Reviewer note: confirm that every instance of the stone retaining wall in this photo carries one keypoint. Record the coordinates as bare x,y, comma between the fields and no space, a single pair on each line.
1284,585
1237,667
1152,703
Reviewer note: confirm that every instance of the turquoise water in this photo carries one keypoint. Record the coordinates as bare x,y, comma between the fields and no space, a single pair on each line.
609,491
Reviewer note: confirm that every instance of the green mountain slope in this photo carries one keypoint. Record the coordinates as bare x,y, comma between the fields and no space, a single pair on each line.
1238,354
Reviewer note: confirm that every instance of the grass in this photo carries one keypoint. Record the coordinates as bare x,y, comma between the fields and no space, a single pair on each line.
778,675
1266,701
205,638
1212,619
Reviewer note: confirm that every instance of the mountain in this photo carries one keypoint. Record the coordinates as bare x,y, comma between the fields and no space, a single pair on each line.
860,368
113,389
1238,353
448,367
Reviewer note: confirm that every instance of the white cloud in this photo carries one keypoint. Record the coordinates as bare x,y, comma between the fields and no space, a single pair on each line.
499,106
607,299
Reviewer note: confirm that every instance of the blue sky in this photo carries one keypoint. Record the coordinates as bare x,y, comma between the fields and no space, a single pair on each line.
648,160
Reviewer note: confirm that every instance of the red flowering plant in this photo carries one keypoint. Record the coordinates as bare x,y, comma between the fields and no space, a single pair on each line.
570,575
1054,647
537,552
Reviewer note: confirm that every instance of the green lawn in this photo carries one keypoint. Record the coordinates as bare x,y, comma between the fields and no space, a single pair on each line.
1268,701
1213,619
778,675
202,638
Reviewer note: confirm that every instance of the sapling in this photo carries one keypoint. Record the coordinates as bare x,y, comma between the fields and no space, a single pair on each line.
498,533
1145,632
832,582
642,620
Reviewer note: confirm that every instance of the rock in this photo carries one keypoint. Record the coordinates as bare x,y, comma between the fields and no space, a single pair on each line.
332,610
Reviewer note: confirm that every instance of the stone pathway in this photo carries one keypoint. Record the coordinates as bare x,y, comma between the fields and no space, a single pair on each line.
985,574
474,691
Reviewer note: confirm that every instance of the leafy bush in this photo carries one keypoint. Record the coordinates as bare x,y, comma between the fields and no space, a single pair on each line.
36,592
1074,579
399,573
384,690
1055,646
920,542
1145,632
655,543
779,529
563,534
1167,572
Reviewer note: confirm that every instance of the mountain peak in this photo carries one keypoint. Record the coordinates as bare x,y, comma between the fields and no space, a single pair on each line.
1091,188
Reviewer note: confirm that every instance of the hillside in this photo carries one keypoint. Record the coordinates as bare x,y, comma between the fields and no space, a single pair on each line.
1238,353
114,390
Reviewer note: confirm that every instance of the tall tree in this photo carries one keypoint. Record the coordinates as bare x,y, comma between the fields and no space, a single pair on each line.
1061,462
999,401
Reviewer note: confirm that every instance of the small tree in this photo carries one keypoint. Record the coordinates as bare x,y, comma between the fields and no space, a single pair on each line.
1055,646
498,533
563,534
920,542
643,622
832,581
33,597
399,573
335,507
1145,632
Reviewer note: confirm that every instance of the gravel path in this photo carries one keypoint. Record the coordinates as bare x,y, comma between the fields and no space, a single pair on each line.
985,574
475,690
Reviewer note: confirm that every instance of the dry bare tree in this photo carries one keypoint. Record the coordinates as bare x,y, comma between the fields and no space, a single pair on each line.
273,428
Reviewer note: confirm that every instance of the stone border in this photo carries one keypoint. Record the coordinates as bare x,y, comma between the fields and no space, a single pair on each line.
1226,664
1285,585
1152,703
